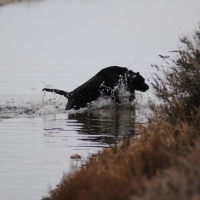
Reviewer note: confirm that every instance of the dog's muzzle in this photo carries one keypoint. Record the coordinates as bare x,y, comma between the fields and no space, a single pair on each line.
144,88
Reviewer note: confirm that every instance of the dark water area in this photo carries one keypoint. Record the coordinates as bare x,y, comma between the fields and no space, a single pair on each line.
104,126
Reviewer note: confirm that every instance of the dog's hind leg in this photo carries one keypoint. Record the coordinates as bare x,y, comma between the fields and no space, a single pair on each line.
60,92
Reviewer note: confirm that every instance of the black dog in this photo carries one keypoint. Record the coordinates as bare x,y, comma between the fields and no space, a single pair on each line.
106,82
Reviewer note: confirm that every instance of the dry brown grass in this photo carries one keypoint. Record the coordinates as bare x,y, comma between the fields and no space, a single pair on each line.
181,181
128,170
164,162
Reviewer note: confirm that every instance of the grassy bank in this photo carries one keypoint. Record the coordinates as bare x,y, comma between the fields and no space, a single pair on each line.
164,162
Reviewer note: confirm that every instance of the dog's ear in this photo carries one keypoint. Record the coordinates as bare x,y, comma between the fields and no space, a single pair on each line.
138,73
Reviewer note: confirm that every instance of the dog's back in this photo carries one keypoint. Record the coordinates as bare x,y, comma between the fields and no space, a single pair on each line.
90,90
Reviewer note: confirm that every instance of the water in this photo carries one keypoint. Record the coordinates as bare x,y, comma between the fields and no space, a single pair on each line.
61,44
35,149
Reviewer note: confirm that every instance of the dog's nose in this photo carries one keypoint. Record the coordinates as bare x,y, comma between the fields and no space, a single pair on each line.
147,87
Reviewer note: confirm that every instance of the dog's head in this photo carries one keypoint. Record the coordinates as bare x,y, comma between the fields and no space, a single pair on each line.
135,81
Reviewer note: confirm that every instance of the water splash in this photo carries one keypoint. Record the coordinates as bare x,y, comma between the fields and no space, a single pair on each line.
56,104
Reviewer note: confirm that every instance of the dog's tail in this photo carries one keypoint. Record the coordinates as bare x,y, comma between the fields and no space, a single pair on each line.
60,92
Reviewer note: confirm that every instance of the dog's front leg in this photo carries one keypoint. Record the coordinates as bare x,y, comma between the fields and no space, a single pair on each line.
132,97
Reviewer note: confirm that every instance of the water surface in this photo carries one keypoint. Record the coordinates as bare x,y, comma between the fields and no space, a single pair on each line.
61,44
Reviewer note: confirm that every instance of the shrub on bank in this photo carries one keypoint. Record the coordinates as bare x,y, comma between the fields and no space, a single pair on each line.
135,167
164,162
178,84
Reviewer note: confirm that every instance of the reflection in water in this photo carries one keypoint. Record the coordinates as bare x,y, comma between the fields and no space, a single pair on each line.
114,121
99,127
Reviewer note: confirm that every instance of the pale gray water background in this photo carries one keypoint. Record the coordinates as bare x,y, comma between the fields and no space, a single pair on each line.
61,44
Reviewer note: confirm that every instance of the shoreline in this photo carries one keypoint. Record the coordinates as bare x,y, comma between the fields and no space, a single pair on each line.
5,2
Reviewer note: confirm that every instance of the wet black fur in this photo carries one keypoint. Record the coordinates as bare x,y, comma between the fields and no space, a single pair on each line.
106,82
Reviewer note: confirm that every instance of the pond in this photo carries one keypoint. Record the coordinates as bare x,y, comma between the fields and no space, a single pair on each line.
61,44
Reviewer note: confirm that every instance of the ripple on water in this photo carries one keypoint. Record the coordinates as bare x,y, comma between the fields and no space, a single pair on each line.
43,136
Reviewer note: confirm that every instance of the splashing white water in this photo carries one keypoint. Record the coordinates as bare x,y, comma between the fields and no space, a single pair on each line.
54,104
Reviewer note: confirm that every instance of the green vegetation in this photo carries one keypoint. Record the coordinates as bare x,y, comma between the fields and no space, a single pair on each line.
164,162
